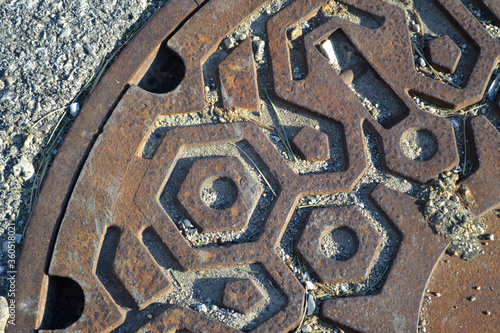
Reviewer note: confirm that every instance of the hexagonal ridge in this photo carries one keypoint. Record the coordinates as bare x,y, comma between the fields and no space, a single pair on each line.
329,270
242,296
312,144
131,262
443,54
234,217
403,289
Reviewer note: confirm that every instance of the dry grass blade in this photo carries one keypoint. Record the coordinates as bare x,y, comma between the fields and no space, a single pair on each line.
276,290
439,77
47,154
44,163
283,136
257,168
175,277
259,123
420,33
48,114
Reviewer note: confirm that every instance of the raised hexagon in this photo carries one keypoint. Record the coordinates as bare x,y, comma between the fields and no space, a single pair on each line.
231,170
312,144
242,296
328,270
443,54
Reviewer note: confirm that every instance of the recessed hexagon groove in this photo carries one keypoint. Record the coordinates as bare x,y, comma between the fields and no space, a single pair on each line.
99,179
312,144
329,270
232,218
242,296
443,54
396,307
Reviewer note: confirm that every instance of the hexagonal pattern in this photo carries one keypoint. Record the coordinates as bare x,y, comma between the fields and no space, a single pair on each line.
106,182
242,296
209,219
443,54
328,270
312,144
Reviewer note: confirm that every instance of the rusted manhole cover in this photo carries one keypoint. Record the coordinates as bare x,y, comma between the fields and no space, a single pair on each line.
209,183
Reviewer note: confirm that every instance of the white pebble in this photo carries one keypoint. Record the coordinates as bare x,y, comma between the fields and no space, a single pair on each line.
310,285
74,109
202,308
421,62
188,223
327,49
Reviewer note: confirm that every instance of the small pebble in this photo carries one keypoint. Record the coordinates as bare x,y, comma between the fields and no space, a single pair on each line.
229,42
472,298
490,237
202,308
415,27
311,304
421,62
188,223
18,238
327,49
74,109
310,285
149,315
240,36
487,313
307,329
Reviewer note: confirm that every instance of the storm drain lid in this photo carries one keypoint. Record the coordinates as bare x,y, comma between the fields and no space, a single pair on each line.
223,176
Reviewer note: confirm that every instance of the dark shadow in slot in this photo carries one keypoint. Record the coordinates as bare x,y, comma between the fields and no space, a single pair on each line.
104,269
65,303
165,73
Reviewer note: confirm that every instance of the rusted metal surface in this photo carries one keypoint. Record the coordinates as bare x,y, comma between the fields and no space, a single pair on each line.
396,307
239,79
139,273
327,269
493,7
109,185
44,223
469,293
394,63
312,144
443,54
242,296
351,74
231,218
484,183
177,319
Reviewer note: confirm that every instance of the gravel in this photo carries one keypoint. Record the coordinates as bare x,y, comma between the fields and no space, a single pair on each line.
49,50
